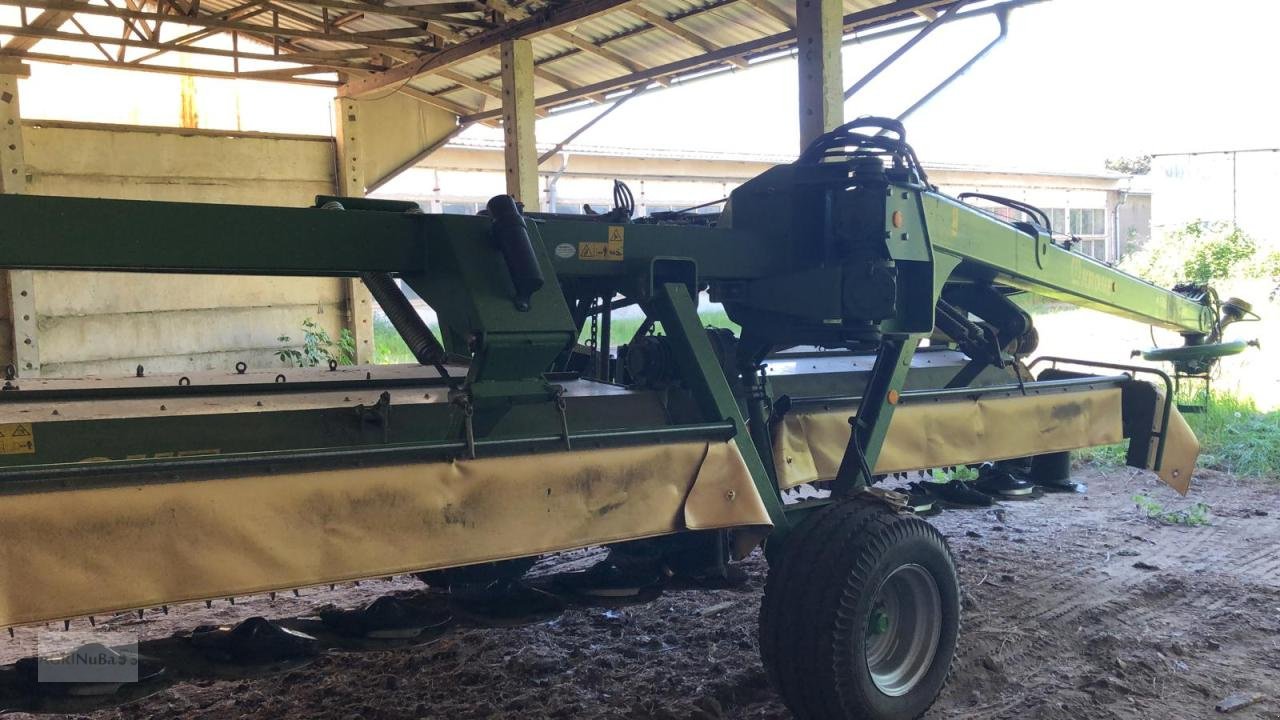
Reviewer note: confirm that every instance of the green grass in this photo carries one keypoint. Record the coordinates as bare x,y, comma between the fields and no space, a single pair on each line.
1108,455
388,347
1235,436
1194,515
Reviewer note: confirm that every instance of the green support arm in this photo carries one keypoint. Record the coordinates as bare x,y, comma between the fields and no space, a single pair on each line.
991,249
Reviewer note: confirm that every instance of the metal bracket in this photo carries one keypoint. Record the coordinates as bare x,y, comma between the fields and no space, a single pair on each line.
469,412
564,417
377,414
895,501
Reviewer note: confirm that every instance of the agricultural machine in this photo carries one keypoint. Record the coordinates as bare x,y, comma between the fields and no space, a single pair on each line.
879,334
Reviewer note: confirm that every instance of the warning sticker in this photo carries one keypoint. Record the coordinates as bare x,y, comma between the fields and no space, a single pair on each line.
17,439
611,250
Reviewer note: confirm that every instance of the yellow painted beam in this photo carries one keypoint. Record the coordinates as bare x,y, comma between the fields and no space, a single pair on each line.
351,181
518,118
19,343
819,25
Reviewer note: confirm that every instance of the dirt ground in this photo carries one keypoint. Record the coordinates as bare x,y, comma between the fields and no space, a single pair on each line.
1076,606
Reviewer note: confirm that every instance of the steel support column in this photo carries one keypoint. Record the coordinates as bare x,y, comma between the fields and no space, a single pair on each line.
819,27
18,341
517,123
351,181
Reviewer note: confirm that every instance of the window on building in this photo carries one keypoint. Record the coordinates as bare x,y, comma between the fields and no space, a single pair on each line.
1003,212
1057,218
460,208
571,207
1088,221
1096,249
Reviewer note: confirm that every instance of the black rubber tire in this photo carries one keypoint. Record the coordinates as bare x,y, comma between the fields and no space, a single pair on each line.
817,603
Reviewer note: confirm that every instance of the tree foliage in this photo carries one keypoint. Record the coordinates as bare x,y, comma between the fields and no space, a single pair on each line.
318,347
1136,165
1200,252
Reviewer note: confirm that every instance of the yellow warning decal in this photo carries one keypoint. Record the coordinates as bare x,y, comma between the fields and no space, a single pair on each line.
609,251
17,439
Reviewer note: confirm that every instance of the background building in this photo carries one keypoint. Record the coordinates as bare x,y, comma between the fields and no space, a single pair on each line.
1233,186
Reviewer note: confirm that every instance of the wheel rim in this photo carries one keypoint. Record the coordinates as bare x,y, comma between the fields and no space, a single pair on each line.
903,629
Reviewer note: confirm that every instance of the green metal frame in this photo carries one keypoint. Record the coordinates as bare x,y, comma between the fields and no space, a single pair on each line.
772,272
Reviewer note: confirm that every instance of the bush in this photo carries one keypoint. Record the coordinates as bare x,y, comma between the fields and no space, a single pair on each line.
1201,252
1218,253
318,347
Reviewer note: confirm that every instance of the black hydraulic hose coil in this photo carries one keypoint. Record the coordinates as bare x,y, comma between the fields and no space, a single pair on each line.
512,236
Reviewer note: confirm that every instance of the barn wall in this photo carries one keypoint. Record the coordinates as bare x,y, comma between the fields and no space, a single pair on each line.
108,323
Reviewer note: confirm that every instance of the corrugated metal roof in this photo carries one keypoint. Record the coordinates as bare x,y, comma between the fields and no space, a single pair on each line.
606,51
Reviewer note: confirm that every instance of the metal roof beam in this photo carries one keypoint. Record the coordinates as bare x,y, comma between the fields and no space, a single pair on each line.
332,59
540,68
483,88
164,69
239,12
773,11
208,21
456,108
603,53
439,11
885,13
669,26
47,19
539,22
